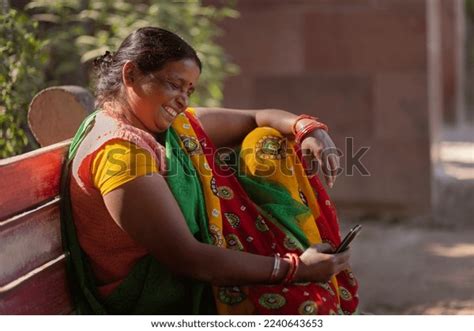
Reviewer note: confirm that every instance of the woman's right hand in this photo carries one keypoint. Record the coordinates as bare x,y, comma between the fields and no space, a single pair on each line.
317,264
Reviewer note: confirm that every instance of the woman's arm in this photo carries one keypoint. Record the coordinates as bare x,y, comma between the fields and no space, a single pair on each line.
228,127
146,209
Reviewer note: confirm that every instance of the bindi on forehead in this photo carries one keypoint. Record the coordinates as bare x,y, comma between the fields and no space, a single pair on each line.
182,80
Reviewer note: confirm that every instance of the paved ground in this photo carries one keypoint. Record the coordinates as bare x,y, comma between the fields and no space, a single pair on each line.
454,179
424,269
414,270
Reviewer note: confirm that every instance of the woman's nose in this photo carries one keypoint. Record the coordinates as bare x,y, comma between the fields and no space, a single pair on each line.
183,101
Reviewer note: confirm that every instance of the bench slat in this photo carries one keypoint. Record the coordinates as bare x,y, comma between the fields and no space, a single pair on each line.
29,179
29,240
44,293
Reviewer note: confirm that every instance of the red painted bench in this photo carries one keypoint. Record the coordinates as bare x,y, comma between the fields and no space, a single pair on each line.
32,262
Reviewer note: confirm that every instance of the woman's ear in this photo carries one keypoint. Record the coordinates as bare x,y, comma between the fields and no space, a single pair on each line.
128,73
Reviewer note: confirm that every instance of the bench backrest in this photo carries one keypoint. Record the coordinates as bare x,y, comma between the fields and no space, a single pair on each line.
32,263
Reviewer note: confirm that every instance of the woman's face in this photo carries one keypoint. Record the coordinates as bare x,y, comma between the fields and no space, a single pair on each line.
157,98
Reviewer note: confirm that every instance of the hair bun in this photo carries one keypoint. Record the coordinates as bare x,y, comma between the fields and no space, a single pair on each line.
103,62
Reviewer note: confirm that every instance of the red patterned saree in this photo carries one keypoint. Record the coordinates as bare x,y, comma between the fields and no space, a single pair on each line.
267,206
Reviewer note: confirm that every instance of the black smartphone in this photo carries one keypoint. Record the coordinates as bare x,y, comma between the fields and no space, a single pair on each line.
348,239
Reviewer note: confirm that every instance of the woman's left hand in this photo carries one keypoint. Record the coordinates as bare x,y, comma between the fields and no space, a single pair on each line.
318,150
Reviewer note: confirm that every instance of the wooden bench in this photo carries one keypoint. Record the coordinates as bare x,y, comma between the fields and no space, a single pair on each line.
32,262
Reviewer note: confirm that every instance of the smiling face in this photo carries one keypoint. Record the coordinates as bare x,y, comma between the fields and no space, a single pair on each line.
157,98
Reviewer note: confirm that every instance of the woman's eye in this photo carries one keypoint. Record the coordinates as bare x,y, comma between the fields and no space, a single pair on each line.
173,85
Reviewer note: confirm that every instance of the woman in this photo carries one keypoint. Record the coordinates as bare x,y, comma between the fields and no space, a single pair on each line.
152,202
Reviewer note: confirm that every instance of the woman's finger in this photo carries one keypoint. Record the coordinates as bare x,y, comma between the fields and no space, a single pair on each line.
327,171
309,163
333,160
343,257
324,248
331,165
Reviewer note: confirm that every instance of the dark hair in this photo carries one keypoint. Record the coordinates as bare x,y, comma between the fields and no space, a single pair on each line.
149,48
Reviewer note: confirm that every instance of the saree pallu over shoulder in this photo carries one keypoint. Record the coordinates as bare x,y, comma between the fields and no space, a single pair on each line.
265,204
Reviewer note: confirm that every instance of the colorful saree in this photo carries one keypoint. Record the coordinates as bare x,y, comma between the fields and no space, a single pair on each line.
262,203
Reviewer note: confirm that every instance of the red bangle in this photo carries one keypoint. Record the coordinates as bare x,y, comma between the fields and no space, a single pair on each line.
297,264
293,273
294,263
300,117
307,129
290,269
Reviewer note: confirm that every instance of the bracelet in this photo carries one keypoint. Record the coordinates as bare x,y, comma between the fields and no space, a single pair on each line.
294,263
307,129
290,270
297,264
300,117
276,268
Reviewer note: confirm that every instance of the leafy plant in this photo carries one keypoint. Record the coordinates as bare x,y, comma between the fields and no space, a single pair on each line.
79,31
22,59
469,5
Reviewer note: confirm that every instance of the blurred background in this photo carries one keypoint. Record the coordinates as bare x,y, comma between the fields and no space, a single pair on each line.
392,79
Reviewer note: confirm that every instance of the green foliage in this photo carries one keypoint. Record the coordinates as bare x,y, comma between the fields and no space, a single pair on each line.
79,31
21,76
469,5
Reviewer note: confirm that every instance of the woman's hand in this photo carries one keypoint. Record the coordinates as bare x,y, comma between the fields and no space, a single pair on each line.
318,150
318,265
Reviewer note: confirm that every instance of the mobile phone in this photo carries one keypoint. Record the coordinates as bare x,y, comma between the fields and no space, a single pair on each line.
348,239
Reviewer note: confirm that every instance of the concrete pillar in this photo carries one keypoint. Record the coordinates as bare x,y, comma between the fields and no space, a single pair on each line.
452,23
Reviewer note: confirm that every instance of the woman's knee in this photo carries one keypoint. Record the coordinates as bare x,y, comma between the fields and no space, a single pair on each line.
261,132
263,150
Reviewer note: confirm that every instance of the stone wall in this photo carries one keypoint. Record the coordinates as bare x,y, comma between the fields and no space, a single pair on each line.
367,68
